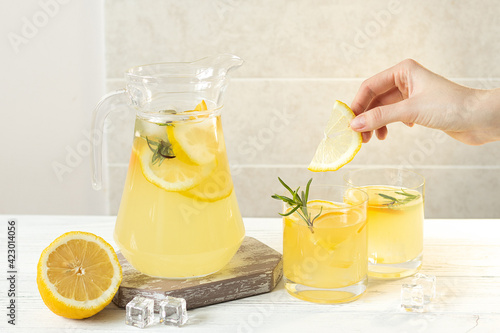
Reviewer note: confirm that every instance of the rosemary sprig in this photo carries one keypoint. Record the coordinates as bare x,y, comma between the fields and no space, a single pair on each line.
161,150
298,202
394,201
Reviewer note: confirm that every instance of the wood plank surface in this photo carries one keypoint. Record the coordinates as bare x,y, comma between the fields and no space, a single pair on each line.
464,255
254,269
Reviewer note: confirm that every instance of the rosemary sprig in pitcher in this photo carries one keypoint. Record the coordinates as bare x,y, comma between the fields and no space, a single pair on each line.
298,202
161,150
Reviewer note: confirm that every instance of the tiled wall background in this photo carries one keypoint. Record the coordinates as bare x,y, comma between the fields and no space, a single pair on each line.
301,56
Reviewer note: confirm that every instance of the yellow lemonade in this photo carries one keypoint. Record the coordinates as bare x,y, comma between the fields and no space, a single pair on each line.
395,230
179,217
328,256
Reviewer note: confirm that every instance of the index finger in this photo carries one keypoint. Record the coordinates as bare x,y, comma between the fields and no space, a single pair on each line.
373,87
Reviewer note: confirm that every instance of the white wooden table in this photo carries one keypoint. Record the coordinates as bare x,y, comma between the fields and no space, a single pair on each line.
463,254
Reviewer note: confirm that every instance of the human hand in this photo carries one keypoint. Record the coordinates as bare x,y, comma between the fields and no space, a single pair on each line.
410,93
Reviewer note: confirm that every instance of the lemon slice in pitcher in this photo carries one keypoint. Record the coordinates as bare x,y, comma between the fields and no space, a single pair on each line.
198,139
172,174
201,107
340,143
218,185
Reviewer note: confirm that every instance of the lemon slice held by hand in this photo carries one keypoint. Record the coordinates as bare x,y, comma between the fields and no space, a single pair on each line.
340,143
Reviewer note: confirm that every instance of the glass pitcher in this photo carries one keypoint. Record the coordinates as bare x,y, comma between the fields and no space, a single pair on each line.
178,216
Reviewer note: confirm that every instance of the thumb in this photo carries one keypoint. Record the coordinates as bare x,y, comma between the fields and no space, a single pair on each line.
382,115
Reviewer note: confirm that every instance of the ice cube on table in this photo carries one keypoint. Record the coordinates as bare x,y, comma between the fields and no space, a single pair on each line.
428,283
173,311
140,312
412,298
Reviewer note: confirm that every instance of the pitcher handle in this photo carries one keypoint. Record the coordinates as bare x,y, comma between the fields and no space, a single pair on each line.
107,104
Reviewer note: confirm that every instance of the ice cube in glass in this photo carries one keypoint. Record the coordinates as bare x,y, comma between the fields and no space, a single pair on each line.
412,298
173,311
140,312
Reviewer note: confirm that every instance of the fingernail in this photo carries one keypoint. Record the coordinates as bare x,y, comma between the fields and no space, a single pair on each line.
358,122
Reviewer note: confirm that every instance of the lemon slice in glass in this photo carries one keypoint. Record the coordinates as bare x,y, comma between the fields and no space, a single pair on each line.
317,204
340,143
345,222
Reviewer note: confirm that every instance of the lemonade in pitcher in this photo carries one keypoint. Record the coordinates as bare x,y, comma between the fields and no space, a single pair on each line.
184,220
178,216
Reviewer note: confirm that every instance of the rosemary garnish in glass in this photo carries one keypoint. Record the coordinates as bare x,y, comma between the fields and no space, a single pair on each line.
396,202
161,150
298,202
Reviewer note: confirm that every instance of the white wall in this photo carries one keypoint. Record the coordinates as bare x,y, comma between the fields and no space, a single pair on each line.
300,56
52,72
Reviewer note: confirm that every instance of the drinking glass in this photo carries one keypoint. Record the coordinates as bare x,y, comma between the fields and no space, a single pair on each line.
395,219
326,262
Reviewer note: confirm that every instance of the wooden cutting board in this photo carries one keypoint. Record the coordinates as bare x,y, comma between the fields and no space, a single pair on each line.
255,269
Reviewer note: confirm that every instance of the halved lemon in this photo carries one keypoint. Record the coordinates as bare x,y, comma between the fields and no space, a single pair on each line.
173,174
78,274
340,143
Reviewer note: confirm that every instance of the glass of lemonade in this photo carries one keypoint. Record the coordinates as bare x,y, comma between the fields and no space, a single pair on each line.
327,262
395,217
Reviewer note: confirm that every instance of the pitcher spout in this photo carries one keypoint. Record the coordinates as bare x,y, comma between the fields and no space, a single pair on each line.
221,64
